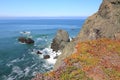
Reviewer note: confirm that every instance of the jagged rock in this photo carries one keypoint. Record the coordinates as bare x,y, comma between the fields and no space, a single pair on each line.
26,40
60,40
106,21
46,56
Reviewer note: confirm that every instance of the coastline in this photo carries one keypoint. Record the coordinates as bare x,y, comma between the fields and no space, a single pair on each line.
94,53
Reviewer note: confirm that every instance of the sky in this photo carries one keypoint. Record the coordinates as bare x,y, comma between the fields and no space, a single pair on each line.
48,8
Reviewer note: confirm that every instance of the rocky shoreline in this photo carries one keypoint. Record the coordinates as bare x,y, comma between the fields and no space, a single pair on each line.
95,53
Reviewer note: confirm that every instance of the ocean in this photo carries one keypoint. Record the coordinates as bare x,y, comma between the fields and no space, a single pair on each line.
19,61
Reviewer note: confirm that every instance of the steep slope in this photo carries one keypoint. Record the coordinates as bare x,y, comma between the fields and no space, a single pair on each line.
93,60
104,23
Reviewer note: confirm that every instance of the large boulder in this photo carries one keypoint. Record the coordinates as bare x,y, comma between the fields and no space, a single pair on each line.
60,40
25,40
104,23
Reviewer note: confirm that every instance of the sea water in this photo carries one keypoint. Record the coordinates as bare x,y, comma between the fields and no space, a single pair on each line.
20,61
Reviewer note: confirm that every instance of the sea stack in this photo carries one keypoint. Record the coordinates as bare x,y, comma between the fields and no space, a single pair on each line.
60,40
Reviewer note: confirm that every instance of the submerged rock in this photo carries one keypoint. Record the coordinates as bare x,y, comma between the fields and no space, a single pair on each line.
25,40
60,40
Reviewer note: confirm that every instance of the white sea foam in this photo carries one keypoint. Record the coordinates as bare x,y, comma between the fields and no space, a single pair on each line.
15,61
39,39
17,70
34,73
25,32
50,52
27,70
11,78
53,54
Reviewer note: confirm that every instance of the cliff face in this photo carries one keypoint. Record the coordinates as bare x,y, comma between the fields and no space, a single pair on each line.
104,23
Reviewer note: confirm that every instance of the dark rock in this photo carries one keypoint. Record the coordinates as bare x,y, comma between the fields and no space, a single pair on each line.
38,52
29,41
22,39
26,40
60,40
46,56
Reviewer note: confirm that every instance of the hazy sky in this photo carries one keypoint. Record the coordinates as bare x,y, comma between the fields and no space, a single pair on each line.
49,8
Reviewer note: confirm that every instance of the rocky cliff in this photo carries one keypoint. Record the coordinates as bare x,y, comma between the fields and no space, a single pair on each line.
104,23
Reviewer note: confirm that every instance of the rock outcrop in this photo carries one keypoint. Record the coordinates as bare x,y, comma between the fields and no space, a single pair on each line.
104,23
60,40
25,40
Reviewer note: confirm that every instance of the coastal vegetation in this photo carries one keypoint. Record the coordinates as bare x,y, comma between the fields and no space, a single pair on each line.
95,59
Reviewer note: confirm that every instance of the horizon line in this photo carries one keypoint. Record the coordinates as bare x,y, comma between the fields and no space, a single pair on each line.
43,17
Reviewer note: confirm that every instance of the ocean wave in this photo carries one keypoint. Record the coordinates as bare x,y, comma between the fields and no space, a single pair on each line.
16,73
15,61
26,34
48,51
17,70
26,71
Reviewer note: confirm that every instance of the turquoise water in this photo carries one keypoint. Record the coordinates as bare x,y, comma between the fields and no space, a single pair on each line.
17,62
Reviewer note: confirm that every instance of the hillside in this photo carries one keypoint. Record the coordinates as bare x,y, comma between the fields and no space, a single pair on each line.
93,60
